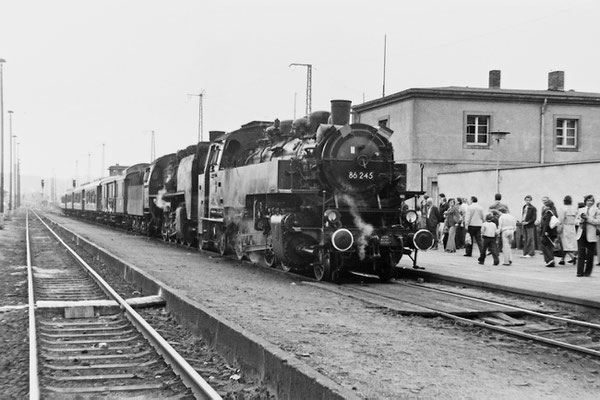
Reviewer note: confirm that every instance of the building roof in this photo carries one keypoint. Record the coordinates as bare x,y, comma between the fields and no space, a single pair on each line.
485,94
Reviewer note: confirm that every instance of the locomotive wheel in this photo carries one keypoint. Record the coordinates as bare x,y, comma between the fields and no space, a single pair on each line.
323,269
223,244
144,228
239,248
385,274
386,270
270,258
285,267
336,276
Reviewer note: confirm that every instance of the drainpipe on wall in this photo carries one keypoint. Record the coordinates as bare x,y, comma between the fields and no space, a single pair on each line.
542,125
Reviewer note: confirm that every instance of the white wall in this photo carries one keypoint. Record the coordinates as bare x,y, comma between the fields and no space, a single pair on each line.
554,181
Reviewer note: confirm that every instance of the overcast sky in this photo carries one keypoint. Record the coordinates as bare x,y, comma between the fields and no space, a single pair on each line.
82,74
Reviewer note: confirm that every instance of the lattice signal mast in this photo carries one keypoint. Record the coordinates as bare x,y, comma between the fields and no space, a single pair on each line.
308,84
200,127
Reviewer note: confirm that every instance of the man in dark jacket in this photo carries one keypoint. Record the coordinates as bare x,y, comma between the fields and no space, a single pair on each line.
528,224
433,219
442,236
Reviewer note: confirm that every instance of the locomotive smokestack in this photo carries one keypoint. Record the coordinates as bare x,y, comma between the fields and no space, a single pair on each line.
340,112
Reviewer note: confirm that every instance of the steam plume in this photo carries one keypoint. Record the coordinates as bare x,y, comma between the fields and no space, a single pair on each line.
158,200
366,229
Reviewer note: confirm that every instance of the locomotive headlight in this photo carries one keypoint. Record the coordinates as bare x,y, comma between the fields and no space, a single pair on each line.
423,240
332,216
411,216
342,239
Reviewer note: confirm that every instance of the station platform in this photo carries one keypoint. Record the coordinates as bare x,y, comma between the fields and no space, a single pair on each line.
527,276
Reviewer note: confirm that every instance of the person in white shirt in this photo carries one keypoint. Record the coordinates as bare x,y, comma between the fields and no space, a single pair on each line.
473,221
507,224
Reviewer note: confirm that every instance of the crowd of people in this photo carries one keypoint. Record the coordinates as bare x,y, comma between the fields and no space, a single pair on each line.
569,232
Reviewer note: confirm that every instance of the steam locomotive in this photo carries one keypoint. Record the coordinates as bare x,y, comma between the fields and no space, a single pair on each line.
315,193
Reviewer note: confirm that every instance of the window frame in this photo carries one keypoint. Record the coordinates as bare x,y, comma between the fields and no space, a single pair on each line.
478,114
577,135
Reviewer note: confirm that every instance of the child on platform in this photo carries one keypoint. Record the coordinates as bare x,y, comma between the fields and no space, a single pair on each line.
488,234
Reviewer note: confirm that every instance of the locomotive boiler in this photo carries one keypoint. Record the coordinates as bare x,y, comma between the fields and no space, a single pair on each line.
316,193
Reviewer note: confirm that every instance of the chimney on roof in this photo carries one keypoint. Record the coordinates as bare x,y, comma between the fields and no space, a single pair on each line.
495,79
556,80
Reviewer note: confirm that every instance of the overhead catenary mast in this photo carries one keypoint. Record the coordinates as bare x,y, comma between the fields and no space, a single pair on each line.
18,182
200,125
2,61
152,145
295,95
89,170
308,84
53,188
384,61
102,170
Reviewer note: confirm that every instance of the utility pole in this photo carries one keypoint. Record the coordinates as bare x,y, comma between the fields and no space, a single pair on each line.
295,95
53,188
14,173
200,127
102,168
384,62
10,175
2,61
152,148
89,171
308,84
18,177
152,145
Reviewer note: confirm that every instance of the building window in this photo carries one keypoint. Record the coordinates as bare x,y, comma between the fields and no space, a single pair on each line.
383,122
566,133
478,129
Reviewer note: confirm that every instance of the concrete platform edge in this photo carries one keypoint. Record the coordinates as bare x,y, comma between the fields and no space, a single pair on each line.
287,376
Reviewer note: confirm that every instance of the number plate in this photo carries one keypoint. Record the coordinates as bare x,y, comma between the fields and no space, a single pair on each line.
361,175
385,240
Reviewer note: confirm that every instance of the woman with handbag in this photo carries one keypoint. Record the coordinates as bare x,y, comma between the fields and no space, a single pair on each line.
549,233
453,219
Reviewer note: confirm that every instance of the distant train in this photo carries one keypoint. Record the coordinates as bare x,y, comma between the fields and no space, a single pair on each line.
316,193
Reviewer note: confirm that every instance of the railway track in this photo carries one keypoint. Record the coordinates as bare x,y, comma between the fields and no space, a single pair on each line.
563,331
83,352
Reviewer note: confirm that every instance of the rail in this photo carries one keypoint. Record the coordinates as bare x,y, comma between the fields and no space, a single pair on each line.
515,332
34,383
200,388
367,296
